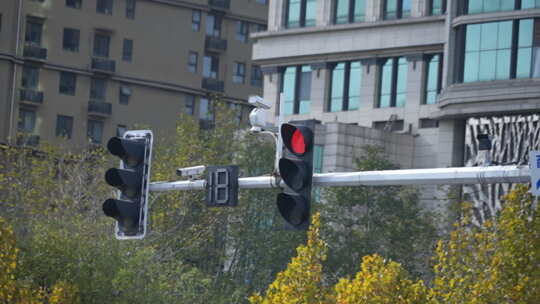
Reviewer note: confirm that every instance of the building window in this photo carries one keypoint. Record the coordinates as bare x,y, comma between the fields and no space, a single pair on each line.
33,33
397,9
262,1
296,86
67,83
213,26
390,125
349,11
127,50
345,86
130,9
258,27
97,89
210,66
30,77
104,7
501,50
300,13
426,123
489,6
393,83
73,3
193,60
433,78
27,121
95,131
205,110
120,130
101,45
256,76
242,31
437,7
71,40
190,104
64,126
196,20
124,94
318,152
239,73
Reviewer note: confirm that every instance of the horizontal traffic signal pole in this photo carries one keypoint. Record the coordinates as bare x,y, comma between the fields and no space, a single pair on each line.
435,176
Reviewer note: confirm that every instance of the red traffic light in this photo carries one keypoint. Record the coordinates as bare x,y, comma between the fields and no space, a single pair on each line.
298,139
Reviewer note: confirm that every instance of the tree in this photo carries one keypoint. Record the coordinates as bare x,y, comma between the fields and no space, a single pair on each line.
385,220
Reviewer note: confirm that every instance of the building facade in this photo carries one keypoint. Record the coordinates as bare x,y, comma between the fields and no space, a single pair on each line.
80,71
440,70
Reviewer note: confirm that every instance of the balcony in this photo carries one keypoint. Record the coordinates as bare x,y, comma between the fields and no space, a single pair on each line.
213,84
24,139
35,52
103,65
31,97
220,4
99,108
215,44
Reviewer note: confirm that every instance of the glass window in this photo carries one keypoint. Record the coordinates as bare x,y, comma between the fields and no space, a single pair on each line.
67,83
433,79
210,66
318,152
345,89
101,45
242,31
130,9
437,7
301,13
393,83
489,50
27,121
30,77
348,11
192,62
71,40
205,109
33,32
213,26
490,6
127,50
526,4
196,20
124,94
296,87
397,9
97,89
239,74
95,131
104,6
256,76
73,3
64,126
190,104
262,1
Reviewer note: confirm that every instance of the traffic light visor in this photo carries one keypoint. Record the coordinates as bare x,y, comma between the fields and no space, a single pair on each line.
127,181
130,151
293,208
294,173
297,139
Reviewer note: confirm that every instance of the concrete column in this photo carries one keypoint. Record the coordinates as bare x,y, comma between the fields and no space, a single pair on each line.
415,85
320,79
271,89
276,13
324,12
369,88
374,10
451,143
418,8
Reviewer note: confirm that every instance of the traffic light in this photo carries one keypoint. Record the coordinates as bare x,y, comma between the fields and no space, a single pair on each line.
132,179
296,170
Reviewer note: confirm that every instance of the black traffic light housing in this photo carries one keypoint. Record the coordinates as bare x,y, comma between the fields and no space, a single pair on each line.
132,179
296,170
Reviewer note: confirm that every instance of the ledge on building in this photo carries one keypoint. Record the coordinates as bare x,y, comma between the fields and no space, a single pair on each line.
31,97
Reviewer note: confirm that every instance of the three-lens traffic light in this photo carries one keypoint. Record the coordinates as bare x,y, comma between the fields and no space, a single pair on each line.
132,179
296,170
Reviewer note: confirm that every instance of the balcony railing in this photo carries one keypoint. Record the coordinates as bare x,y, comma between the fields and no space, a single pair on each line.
99,108
213,84
34,51
221,4
215,44
24,139
31,96
103,65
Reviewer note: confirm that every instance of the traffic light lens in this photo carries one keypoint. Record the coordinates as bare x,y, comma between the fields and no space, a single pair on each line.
298,144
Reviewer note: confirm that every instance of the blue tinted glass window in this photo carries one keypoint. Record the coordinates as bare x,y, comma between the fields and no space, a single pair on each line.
297,92
406,8
386,84
401,90
289,81
293,13
359,10
305,89
301,13
432,79
355,82
437,7
390,11
311,12
490,6
524,53
526,4
342,11
338,86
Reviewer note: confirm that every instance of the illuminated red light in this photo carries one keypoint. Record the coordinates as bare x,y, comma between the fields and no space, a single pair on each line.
298,144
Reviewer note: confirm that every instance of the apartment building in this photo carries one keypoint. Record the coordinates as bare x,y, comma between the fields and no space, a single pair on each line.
81,71
441,71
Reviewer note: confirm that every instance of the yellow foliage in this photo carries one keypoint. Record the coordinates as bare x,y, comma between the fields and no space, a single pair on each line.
301,282
380,282
64,293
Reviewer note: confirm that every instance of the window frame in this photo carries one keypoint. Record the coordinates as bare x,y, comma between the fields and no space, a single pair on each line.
77,4
302,18
239,72
196,16
33,34
98,85
394,83
90,135
97,51
30,77
104,7
67,123
213,68
189,104
215,26
297,88
350,14
67,83
193,65
73,46
21,125
345,97
399,10
254,80
127,50
431,7
242,31
131,6
438,89
124,94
